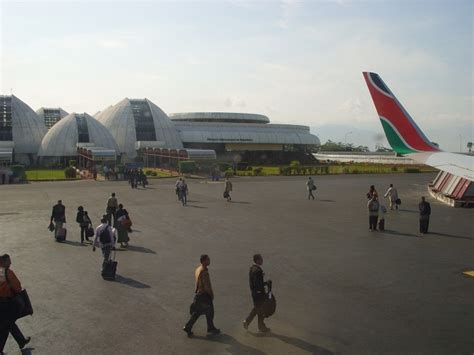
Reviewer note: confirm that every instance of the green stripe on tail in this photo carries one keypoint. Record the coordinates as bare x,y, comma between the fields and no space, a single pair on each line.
394,139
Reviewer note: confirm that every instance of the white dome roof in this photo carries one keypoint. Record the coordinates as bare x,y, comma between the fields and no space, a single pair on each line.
27,127
63,138
128,121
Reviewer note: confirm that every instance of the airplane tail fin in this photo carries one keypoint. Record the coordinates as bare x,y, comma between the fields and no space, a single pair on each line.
402,132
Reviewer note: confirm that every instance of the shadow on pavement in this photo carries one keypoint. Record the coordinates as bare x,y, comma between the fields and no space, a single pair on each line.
449,235
404,210
194,206
325,200
241,202
130,282
76,244
139,249
27,351
388,231
299,343
235,347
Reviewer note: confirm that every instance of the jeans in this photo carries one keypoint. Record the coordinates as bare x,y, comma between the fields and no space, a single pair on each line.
205,307
184,198
106,254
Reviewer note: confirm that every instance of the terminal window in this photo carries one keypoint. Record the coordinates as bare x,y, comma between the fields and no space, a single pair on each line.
51,116
82,129
144,124
6,118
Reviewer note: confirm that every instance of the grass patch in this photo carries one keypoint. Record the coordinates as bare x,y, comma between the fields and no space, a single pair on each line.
159,173
45,174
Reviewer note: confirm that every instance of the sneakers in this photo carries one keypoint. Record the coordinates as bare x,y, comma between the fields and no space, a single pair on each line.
188,332
213,331
245,324
264,330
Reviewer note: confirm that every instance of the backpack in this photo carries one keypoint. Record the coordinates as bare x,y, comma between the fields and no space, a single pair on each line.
104,236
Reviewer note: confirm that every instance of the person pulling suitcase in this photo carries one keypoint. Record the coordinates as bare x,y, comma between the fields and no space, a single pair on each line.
105,239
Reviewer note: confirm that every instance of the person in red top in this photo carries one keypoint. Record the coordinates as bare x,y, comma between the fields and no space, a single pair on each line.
9,286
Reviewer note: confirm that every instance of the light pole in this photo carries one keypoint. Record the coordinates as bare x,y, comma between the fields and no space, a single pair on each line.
345,137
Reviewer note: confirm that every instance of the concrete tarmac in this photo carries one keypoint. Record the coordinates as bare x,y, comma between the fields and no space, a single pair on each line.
340,289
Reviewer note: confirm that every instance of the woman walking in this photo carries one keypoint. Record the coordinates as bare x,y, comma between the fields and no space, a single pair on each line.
9,286
122,226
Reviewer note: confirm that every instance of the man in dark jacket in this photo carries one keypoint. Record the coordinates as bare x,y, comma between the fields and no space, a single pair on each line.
425,212
257,288
58,216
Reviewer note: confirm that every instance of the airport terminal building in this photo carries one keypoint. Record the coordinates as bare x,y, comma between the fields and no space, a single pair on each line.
133,128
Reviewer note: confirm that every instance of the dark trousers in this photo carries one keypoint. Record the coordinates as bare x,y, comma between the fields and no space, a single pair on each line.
310,194
184,197
373,222
257,310
205,307
8,326
110,215
424,224
83,233
106,254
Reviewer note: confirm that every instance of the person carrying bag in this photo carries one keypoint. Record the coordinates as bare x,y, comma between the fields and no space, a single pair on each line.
14,304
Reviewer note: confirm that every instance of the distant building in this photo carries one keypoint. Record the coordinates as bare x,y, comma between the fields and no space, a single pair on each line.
21,130
50,115
239,132
73,134
139,123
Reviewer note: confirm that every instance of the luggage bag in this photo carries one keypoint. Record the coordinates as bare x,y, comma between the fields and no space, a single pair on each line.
61,234
110,269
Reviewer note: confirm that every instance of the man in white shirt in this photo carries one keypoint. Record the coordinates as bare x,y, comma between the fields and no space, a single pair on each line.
104,239
392,195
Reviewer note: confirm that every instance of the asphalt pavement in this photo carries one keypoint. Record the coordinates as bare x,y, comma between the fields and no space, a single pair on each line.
340,288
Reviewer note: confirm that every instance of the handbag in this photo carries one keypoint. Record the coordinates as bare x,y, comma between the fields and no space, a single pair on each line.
90,232
51,227
21,300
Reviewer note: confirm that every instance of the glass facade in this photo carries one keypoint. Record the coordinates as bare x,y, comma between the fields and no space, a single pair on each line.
144,124
51,116
82,129
6,118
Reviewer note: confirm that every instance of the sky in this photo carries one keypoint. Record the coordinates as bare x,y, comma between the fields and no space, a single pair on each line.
295,61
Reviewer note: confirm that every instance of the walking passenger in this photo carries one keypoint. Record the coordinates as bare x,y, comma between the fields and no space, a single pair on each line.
83,223
425,213
373,207
104,239
58,215
392,195
112,204
228,189
177,186
203,299
9,286
257,288
122,227
183,192
311,187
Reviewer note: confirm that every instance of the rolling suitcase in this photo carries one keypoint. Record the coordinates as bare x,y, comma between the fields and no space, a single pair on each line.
109,270
382,224
61,234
